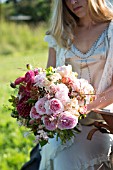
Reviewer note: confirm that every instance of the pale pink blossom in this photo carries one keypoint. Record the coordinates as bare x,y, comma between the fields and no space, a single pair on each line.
64,70
53,106
40,79
41,135
55,77
81,102
39,105
67,120
83,109
52,88
82,86
62,87
50,122
74,112
72,105
34,114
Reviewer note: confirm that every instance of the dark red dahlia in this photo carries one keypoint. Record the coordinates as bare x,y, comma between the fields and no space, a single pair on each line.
23,107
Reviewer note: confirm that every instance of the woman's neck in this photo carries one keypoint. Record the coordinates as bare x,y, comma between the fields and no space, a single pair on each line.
85,22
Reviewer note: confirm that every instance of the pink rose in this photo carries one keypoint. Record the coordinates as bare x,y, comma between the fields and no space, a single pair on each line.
54,106
67,120
62,96
62,93
62,87
50,122
29,77
19,80
39,105
34,114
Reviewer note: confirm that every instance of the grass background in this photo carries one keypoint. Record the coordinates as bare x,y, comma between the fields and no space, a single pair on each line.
20,44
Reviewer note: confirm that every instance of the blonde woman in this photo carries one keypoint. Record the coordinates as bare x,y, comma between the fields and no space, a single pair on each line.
81,34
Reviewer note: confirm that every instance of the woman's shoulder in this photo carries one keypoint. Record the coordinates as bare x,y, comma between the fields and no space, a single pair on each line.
50,39
52,42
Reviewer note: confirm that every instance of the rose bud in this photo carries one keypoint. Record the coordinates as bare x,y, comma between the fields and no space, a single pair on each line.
13,85
19,80
29,66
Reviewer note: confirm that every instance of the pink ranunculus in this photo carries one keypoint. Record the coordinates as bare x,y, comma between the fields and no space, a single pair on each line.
54,106
40,106
29,77
19,80
67,120
50,122
34,114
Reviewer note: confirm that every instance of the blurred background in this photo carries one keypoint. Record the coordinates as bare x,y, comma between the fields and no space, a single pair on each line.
23,24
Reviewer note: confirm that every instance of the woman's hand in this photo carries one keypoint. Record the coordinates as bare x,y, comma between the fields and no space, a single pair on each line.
102,100
108,117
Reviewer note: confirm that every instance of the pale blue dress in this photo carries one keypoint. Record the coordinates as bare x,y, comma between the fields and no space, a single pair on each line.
80,153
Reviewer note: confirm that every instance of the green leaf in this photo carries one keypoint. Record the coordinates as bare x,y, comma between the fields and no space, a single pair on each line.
31,101
14,114
49,71
43,142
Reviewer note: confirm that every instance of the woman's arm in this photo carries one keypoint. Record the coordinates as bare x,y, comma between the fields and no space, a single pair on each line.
51,57
104,99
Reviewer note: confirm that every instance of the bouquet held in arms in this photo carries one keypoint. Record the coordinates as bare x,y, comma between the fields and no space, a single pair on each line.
50,102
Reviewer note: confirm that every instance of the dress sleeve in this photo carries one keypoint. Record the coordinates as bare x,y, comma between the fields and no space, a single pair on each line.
51,41
60,57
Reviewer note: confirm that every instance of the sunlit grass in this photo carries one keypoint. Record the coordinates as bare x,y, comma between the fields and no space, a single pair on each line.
22,38
20,45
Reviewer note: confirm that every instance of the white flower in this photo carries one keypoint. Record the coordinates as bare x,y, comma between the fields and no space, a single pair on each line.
64,70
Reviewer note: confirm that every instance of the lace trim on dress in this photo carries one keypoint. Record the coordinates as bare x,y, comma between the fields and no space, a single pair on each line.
94,45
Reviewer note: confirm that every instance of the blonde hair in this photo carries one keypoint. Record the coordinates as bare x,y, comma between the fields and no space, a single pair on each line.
63,21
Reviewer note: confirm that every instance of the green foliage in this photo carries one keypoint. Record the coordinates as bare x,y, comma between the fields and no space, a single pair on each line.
39,10
20,45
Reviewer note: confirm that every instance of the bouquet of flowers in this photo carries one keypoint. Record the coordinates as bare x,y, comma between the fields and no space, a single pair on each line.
50,102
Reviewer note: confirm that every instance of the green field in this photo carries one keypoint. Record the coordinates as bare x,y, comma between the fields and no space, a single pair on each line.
20,45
